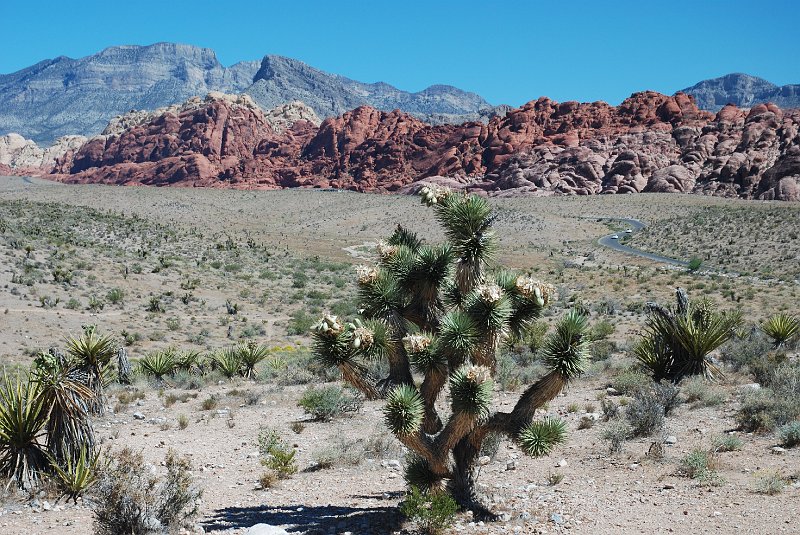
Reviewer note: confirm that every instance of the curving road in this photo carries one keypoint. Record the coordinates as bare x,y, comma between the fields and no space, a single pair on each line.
636,225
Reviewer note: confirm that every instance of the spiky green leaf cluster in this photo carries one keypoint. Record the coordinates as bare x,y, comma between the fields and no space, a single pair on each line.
540,437
566,349
418,473
404,410
781,328
471,390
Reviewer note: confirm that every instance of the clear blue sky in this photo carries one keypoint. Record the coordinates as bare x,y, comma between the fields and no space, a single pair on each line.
509,52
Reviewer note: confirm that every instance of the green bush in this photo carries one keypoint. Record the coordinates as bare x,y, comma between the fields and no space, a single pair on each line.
432,511
300,322
276,455
329,402
631,381
701,465
789,434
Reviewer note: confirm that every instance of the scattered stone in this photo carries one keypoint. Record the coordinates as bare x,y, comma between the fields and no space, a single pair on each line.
511,465
611,391
777,450
672,439
483,461
562,463
557,518
138,416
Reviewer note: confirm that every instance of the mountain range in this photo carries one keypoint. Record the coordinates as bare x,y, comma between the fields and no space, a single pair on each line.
64,96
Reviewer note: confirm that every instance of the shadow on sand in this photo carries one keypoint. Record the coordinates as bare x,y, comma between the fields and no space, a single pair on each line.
313,520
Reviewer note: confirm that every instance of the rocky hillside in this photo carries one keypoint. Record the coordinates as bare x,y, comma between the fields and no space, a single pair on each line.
79,96
651,142
744,91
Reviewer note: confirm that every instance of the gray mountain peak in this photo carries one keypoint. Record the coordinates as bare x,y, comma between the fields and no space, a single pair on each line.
744,91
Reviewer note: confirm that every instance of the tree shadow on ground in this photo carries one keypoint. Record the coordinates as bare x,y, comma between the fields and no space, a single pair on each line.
312,520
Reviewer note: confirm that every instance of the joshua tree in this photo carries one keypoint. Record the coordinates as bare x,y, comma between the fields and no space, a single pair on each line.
678,340
443,311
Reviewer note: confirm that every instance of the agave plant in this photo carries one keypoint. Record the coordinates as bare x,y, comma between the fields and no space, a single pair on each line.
76,475
442,311
158,364
781,328
228,361
677,342
92,354
23,417
250,354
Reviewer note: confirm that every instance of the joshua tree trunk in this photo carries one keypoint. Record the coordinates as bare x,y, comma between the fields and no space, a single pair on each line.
124,367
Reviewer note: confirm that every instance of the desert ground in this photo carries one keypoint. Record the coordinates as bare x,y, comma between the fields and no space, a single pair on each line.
197,269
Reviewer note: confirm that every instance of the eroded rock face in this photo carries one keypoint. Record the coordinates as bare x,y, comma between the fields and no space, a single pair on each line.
651,142
22,154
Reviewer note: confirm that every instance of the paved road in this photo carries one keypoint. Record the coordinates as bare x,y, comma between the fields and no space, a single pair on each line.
636,225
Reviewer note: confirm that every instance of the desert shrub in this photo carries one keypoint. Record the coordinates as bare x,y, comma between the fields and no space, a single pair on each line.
700,464
609,407
763,410
770,482
432,511
183,421
616,433
329,402
667,395
115,296
631,381
276,455
129,498
300,322
789,434
340,452
602,349
645,414
741,351
698,392
209,403
726,443
601,330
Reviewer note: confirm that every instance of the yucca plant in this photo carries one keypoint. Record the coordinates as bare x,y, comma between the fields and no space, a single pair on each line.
782,328
66,402
189,361
442,312
677,341
250,354
158,364
23,417
75,476
92,354
228,361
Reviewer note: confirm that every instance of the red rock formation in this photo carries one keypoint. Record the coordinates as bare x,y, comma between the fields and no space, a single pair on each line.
650,142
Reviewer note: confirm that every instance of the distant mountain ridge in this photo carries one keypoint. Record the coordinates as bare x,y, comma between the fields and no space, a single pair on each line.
64,96
744,91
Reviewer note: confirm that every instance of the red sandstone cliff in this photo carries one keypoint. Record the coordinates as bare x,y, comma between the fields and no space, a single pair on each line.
651,142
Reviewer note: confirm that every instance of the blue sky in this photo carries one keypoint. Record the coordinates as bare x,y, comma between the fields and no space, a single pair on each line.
509,52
